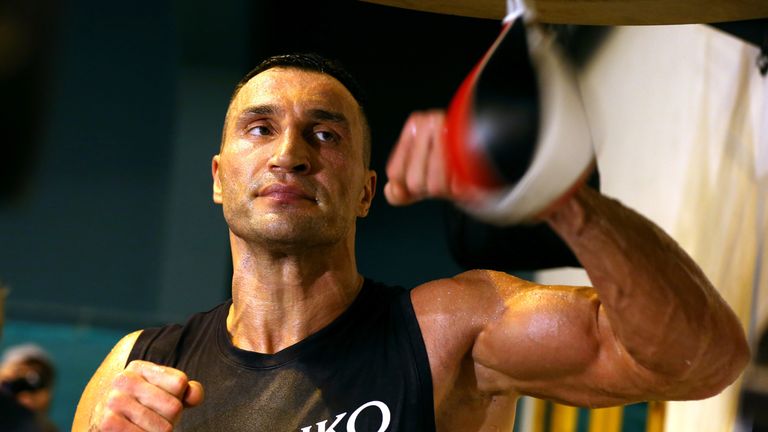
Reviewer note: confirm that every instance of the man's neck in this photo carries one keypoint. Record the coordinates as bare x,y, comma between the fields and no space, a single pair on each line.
281,298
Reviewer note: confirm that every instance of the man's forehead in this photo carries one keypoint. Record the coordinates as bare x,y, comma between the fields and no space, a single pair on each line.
308,89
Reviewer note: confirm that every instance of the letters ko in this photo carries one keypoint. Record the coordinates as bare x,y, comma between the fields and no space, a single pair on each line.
385,419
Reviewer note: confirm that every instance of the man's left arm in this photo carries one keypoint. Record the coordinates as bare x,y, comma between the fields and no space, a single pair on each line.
660,306
658,326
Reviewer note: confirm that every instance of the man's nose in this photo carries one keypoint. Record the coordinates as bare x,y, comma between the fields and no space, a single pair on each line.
291,154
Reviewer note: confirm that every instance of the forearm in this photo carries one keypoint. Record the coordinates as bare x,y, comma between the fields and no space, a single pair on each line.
659,303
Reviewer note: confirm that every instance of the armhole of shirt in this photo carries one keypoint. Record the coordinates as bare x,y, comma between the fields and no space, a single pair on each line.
149,345
419,349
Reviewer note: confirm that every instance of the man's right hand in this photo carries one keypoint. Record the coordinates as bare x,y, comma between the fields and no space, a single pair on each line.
417,168
145,397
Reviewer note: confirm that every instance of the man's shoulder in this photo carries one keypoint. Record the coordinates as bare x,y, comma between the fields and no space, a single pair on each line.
196,318
157,343
470,289
461,305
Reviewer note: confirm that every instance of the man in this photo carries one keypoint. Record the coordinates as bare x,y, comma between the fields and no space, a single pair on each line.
14,415
27,373
308,344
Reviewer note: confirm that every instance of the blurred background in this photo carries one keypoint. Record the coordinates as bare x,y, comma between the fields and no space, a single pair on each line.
110,113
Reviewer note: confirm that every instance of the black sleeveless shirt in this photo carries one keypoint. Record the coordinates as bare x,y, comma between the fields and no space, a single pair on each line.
365,371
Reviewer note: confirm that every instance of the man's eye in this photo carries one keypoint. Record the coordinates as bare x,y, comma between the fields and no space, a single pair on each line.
259,131
325,136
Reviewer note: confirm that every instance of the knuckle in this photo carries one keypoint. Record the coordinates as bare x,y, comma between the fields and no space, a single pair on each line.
157,369
165,426
135,365
168,378
178,380
436,188
110,421
115,400
414,182
123,380
173,407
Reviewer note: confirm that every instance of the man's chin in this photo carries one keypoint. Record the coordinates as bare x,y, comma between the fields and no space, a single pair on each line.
287,230
296,243
301,235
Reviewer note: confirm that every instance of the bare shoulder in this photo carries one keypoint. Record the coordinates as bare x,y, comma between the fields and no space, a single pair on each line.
480,293
460,306
452,312
112,364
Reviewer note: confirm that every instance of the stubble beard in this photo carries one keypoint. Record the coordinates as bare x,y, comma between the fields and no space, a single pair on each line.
288,231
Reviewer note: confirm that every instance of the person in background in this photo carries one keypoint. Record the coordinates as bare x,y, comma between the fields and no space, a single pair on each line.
26,385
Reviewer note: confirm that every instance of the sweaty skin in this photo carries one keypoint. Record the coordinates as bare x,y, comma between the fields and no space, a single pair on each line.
652,328
292,182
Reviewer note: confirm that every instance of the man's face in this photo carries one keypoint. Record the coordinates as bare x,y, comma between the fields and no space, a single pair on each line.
291,171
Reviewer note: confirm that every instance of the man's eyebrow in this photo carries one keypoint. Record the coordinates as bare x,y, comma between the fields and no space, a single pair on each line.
315,113
260,110
332,116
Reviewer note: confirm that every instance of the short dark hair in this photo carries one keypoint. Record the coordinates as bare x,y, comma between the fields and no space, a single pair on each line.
309,62
316,63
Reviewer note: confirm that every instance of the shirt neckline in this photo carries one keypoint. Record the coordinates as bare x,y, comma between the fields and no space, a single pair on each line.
257,360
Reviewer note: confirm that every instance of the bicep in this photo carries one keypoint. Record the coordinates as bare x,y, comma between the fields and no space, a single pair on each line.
99,383
556,343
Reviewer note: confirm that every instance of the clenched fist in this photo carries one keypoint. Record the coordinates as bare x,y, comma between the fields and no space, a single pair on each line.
145,397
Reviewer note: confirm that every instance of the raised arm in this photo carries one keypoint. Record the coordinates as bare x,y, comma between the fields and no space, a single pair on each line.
653,327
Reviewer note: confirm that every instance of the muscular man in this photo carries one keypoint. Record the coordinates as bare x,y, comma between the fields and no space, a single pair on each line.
308,344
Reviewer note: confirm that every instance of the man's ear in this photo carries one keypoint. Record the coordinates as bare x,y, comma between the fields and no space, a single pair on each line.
216,180
367,194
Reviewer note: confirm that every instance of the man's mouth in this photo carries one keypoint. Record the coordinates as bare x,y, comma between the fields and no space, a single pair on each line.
285,193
